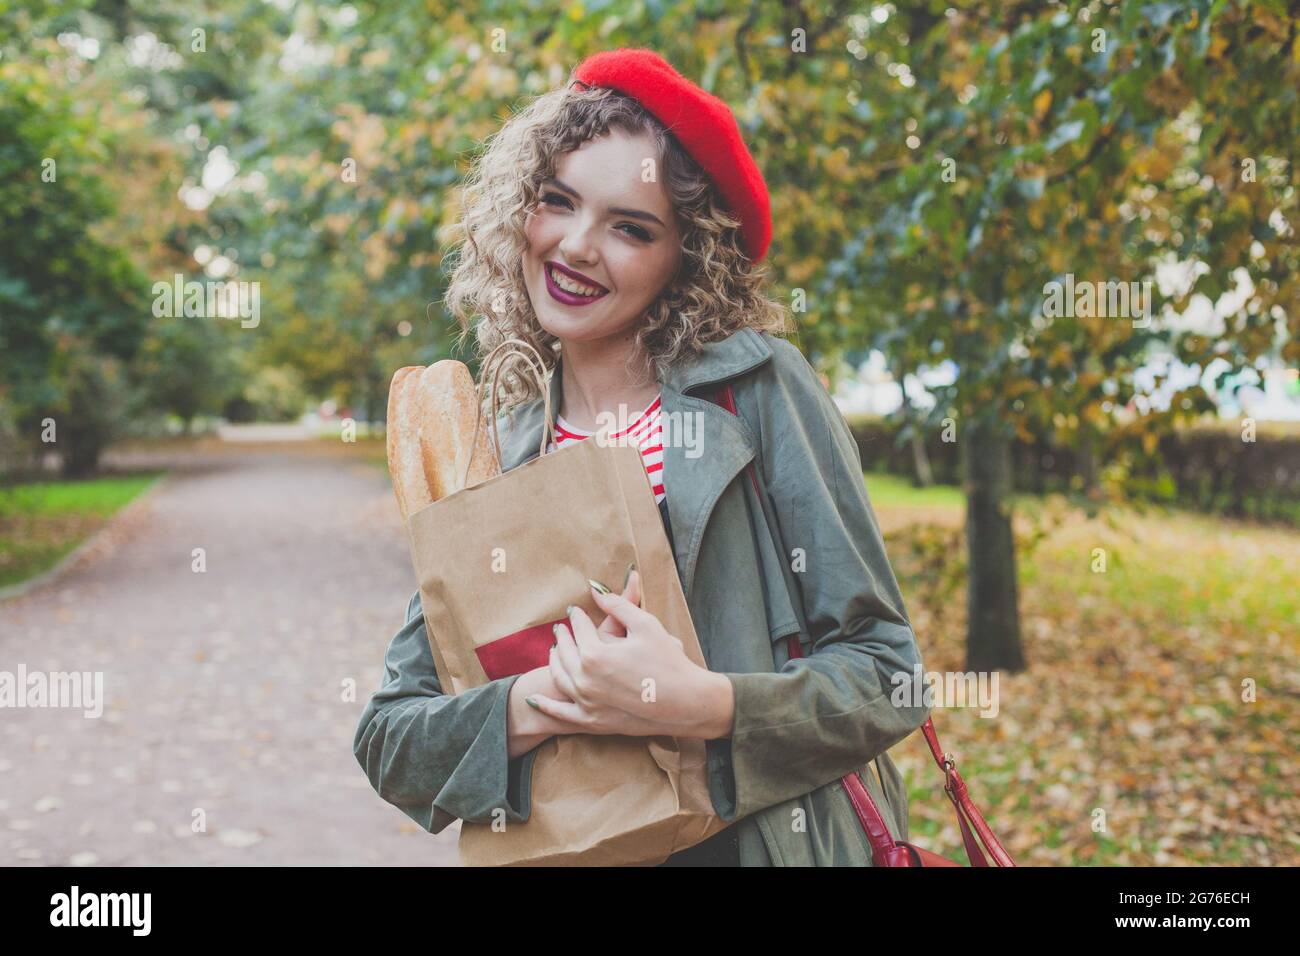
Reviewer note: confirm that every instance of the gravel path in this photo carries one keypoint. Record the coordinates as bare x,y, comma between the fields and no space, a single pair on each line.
223,691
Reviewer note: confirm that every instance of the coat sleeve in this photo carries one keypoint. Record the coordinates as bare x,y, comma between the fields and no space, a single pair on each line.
850,699
439,757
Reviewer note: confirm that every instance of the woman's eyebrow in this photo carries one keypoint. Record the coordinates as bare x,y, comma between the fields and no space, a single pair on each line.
616,210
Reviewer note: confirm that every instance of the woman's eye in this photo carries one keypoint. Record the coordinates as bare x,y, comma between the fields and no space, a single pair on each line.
635,232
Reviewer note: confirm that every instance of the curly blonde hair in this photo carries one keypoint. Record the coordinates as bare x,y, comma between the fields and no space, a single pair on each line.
716,291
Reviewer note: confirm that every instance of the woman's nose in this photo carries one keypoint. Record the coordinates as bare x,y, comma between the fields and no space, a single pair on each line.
578,244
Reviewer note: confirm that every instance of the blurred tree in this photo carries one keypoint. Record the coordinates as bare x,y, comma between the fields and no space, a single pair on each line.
1086,141
276,394
90,407
934,167
185,366
72,304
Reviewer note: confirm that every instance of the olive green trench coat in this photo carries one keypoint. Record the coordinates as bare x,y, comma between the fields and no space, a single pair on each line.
800,725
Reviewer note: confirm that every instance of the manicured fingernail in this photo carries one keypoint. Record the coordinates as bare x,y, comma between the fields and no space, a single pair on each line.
555,629
628,577
599,587
532,703
568,611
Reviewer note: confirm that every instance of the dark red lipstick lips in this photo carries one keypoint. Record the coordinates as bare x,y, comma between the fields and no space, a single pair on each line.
570,298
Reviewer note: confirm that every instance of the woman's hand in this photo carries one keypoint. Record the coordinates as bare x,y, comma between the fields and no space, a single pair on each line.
527,725
632,677
612,626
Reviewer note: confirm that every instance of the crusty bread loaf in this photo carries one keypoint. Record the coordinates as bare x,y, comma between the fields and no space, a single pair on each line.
403,439
431,414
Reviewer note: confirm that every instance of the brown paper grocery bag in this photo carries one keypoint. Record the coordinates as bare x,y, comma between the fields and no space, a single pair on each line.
498,563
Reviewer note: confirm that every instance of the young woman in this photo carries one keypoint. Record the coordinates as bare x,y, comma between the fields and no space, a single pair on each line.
616,225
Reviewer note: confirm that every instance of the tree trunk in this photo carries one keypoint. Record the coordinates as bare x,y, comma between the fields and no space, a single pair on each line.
374,396
924,477
993,626
80,457
922,474
1088,467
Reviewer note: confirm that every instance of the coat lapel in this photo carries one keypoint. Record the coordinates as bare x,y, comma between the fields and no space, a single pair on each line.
705,446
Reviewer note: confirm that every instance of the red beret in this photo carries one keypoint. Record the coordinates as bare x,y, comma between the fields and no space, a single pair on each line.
701,122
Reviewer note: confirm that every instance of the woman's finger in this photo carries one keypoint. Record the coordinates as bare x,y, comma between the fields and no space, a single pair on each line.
566,711
567,651
584,631
562,679
632,593
627,613
612,628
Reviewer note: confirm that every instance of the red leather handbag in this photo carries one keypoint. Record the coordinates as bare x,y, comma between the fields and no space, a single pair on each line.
885,849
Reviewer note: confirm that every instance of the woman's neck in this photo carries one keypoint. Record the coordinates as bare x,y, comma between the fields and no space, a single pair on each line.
594,379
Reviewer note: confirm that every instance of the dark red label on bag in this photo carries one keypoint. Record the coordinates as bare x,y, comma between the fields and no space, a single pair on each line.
519,652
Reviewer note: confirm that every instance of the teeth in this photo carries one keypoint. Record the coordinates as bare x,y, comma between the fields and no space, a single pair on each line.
568,285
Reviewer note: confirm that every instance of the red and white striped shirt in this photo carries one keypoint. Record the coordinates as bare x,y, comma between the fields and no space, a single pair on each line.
645,431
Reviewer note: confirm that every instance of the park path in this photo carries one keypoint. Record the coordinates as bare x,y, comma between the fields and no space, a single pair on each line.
224,690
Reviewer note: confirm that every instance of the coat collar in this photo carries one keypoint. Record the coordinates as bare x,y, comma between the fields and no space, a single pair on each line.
711,447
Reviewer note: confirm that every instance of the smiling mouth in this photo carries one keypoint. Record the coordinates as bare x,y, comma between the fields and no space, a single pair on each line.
572,286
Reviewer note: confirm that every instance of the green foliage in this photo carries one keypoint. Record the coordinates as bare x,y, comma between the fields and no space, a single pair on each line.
71,300
89,406
185,367
930,169
1088,138
276,394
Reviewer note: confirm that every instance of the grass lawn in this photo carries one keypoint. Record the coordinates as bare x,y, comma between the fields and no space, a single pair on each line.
898,494
40,522
895,491
1156,722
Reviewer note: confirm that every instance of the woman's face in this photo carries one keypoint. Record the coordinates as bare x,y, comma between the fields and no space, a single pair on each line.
600,219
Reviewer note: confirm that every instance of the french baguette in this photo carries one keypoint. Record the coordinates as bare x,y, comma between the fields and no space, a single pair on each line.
431,414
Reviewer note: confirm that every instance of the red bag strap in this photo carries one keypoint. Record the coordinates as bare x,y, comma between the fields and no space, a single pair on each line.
885,850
